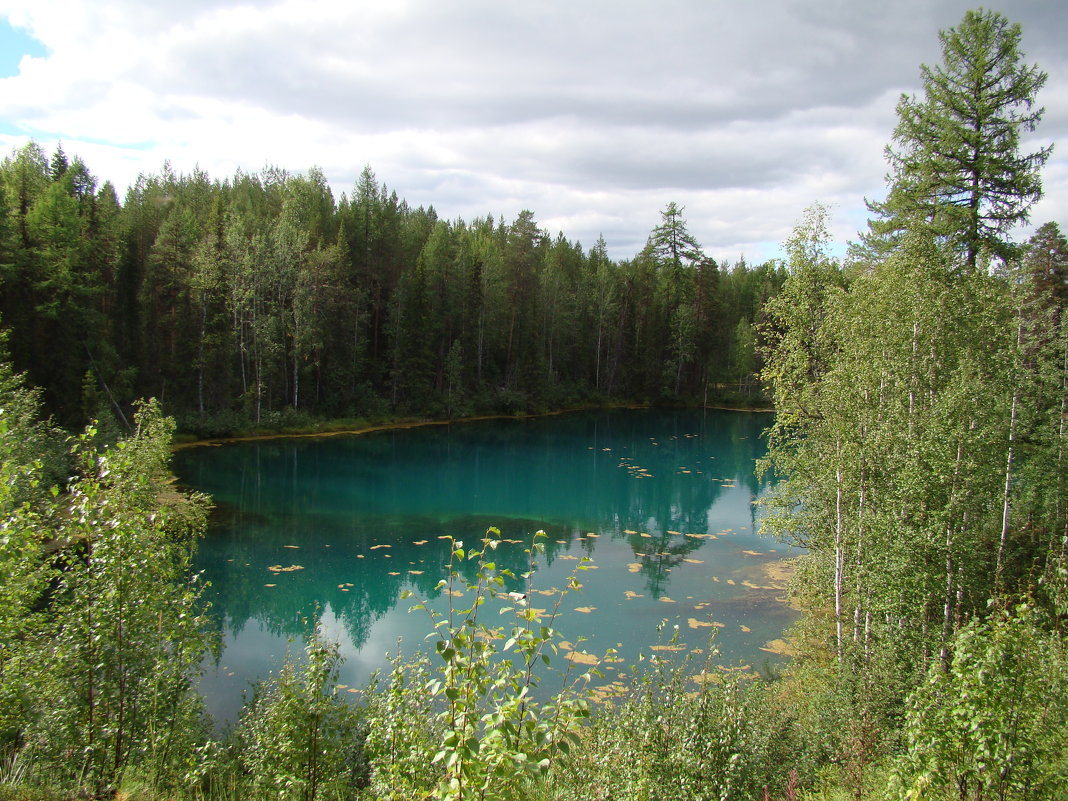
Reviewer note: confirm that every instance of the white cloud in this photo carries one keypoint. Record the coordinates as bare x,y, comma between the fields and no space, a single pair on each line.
593,115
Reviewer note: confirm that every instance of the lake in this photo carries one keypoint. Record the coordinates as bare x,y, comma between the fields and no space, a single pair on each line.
333,529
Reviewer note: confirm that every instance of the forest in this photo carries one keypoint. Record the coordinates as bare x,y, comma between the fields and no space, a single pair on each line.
261,301
919,443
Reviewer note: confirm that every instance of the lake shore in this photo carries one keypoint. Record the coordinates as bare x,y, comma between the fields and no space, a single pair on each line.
333,428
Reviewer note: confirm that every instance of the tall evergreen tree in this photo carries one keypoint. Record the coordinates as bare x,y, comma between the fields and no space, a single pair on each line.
956,165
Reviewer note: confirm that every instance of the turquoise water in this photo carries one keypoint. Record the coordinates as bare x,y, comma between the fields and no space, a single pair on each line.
333,530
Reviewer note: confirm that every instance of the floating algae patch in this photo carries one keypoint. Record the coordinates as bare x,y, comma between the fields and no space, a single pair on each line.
779,572
778,646
694,623
582,658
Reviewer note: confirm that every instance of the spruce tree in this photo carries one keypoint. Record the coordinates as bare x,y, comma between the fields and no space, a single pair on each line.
955,160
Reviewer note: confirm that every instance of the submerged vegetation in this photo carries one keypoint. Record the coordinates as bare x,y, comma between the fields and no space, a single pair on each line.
920,439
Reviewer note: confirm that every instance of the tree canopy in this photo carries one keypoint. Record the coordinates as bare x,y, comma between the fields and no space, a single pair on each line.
956,166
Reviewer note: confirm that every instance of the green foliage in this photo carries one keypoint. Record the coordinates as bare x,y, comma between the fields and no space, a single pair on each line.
956,166
498,737
23,565
403,733
120,640
684,731
297,738
240,301
898,404
992,724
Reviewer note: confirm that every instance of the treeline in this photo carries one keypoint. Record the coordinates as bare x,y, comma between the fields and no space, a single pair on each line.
260,298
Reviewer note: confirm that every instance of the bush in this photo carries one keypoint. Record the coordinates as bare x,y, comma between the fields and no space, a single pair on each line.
297,740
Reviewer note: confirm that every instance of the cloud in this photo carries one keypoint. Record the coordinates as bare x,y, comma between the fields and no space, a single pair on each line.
593,115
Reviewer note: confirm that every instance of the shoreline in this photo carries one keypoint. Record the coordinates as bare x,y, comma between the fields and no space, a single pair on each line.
402,424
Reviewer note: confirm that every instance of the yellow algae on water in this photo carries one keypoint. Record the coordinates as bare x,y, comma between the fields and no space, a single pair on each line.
753,586
694,623
567,556
780,647
752,553
632,594
634,567
359,556
731,582
606,692
452,593
585,609
629,531
420,542
393,573
270,585
666,600
667,647
376,547
416,572
746,629
582,658
694,561
294,547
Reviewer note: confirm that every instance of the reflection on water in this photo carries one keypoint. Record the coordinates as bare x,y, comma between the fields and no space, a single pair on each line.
334,529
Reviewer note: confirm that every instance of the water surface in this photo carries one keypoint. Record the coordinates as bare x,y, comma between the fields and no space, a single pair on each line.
333,530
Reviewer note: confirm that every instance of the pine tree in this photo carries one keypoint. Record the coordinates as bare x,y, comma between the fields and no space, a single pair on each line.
956,165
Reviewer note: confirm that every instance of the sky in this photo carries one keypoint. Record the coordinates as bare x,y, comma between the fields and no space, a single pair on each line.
592,114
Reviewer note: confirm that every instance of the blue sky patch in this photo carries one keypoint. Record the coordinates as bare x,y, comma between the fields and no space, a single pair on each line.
14,44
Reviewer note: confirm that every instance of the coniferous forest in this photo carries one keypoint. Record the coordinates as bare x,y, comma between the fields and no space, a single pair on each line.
920,448
261,300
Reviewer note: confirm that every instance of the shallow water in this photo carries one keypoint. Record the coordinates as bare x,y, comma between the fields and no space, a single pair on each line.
334,529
